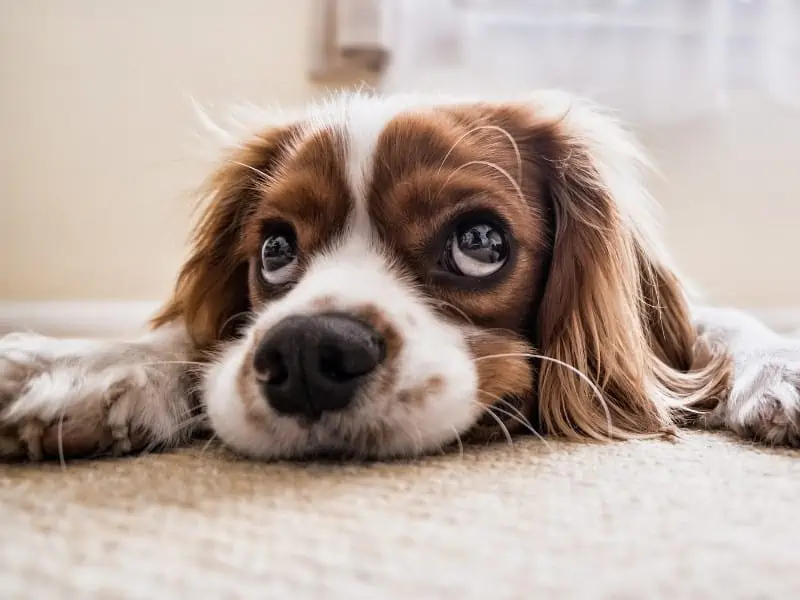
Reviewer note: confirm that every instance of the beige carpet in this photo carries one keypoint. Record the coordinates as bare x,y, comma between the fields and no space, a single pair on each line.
705,517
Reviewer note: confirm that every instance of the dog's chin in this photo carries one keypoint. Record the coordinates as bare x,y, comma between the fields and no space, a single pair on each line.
379,425
335,437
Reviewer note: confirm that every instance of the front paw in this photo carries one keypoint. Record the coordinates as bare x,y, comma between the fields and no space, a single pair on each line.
765,402
76,398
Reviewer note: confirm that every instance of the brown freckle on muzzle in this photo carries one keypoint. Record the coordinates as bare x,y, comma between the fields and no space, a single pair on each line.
324,303
253,403
392,340
377,319
434,384
417,396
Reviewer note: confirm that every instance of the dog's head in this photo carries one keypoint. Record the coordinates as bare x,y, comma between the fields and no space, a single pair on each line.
384,274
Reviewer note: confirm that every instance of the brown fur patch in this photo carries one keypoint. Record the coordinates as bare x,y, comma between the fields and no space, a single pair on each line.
502,360
324,303
254,405
309,191
419,395
393,340
430,168
377,319
260,182
434,385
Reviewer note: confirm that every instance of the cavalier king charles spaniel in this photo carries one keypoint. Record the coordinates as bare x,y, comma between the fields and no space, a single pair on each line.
382,276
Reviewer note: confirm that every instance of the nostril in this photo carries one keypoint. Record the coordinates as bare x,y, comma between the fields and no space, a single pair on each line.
277,372
345,361
271,367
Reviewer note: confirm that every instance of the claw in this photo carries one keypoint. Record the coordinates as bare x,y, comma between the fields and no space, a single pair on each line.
121,444
31,436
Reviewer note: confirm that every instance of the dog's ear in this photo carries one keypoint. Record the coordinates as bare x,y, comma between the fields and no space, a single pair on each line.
612,307
211,289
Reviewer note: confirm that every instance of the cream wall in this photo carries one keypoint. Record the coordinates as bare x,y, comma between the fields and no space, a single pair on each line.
98,152
731,200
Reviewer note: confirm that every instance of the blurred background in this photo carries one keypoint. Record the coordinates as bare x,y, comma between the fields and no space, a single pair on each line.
101,147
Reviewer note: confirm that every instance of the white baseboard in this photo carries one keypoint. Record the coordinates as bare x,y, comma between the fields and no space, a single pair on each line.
109,319
76,319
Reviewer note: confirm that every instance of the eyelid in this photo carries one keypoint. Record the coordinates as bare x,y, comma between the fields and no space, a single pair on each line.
443,228
277,227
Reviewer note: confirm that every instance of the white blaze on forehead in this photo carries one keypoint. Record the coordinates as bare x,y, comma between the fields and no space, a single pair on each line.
365,120
359,119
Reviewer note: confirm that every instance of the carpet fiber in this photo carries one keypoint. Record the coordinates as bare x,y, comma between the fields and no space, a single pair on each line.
703,517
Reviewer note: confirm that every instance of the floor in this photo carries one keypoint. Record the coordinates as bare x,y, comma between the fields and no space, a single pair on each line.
706,516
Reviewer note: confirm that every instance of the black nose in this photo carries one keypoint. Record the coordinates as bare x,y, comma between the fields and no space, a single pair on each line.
313,364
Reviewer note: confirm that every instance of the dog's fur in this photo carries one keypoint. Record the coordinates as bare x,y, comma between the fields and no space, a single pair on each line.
585,331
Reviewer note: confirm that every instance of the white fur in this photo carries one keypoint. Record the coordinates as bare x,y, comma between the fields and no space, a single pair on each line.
68,384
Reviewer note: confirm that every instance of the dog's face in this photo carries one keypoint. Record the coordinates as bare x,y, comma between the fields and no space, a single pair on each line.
382,274
387,271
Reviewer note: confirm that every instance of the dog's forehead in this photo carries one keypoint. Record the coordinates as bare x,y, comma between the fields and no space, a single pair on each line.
368,142
362,130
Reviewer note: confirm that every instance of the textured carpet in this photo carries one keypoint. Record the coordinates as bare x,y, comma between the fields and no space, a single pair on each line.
704,517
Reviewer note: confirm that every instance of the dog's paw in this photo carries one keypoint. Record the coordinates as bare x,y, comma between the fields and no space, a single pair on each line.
764,404
79,398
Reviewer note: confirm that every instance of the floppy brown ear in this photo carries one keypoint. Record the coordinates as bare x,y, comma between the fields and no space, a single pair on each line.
211,289
612,307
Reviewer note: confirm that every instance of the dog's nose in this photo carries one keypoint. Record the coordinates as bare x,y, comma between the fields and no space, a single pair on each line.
312,364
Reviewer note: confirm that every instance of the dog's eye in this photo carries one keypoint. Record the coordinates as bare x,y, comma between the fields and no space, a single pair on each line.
476,249
279,256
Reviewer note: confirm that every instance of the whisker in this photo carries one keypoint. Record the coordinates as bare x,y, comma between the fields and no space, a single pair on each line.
194,420
446,304
262,175
483,331
592,385
503,428
174,362
195,388
519,417
213,438
516,410
231,318
525,423
460,444
416,439
60,439
485,163
481,128
180,427
189,410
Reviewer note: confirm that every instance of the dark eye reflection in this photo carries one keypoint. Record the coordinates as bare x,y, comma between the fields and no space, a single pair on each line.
279,254
476,249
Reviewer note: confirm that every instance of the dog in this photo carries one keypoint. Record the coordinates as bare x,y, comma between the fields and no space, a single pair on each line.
384,275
